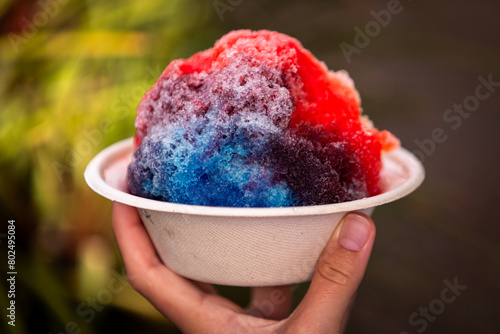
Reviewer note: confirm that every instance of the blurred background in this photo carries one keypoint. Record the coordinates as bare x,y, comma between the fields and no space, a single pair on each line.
67,67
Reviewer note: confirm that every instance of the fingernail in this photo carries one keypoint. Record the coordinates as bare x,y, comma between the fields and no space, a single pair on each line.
354,232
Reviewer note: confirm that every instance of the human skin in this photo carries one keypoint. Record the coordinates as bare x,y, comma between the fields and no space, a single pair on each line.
196,308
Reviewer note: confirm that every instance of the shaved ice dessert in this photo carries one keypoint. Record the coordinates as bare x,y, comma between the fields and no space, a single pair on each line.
255,121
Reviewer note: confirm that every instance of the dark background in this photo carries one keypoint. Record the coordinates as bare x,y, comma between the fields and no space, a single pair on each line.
90,60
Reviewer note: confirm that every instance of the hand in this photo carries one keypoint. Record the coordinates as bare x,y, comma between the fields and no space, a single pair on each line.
196,308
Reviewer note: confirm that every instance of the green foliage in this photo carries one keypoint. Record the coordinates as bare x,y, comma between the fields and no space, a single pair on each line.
71,76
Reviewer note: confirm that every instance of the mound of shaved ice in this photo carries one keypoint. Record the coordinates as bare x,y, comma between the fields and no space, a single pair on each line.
255,121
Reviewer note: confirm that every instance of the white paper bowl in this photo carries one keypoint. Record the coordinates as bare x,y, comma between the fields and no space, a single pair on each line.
244,246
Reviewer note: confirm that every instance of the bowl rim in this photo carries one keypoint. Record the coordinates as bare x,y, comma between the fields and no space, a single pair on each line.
94,176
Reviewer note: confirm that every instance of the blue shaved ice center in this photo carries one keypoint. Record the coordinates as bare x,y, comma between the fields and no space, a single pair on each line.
205,164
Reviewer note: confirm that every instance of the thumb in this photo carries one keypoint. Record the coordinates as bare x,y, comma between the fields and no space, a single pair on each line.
338,274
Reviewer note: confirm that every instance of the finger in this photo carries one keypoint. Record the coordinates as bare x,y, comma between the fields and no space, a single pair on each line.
184,302
272,302
136,248
338,274
169,292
